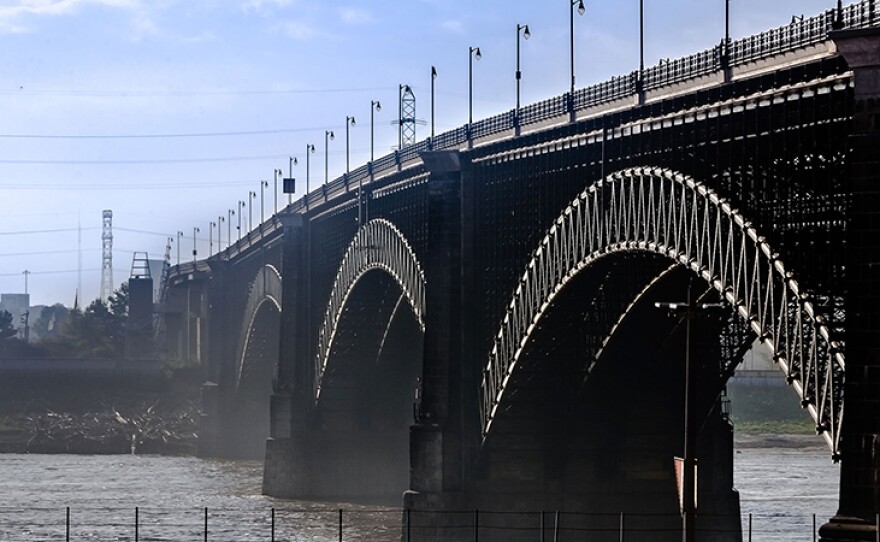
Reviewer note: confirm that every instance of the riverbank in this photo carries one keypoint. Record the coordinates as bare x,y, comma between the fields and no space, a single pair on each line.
100,416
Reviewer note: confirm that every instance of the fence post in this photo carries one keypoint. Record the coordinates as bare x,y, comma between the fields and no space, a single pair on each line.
750,527
814,527
67,525
340,525
136,522
476,525
206,524
273,524
556,527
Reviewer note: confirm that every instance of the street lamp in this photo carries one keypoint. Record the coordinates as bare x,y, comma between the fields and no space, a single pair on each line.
220,221
349,121
277,173
310,149
211,226
473,52
179,237
375,106
195,250
838,19
251,197
524,31
263,184
433,78
229,215
690,311
328,136
726,56
241,206
580,9
293,162
641,40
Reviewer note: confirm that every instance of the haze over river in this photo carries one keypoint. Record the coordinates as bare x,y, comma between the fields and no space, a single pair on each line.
781,487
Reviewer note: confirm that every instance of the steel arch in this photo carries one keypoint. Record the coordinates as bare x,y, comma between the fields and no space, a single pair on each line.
666,212
378,244
265,288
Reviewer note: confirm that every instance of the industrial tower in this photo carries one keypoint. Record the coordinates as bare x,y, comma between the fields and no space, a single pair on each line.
407,117
107,256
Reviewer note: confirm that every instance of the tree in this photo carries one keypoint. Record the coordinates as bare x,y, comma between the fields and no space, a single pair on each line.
96,332
7,329
50,322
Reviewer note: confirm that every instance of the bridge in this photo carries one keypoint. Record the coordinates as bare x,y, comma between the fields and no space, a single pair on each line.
471,322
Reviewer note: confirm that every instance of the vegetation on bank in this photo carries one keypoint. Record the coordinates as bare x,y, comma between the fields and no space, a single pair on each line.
767,410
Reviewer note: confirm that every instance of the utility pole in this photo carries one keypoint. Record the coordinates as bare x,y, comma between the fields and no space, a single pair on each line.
690,311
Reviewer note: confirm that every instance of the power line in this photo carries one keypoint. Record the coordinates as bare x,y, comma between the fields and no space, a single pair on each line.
157,161
45,252
66,271
181,93
144,232
159,136
33,232
116,186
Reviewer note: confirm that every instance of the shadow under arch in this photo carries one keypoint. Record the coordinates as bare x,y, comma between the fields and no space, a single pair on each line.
667,213
256,366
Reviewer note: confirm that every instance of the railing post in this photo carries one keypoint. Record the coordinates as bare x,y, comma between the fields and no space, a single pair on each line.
814,527
340,525
408,526
556,527
136,522
476,526
206,524
542,526
622,520
67,525
273,524
750,527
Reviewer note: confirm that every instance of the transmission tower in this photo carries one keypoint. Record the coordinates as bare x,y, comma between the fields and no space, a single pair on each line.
407,117
107,256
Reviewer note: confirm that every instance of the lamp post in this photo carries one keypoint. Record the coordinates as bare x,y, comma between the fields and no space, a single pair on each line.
521,30
349,121
580,9
375,107
690,311
641,39
433,78
328,136
726,32
263,185
251,197
229,214
838,19
241,206
309,149
293,162
179,238
473,52
277,173
220,220
211,226
195,250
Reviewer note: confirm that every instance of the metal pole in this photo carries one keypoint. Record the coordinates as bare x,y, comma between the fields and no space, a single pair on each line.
206,524
750,527
195,250
476,526
340,525
408,526
470,89
542,526
275,188
251,196
229,213
240,209
814,527
347,157
556,527
372,131
327,135
179,238
263,184
136,538
67,525
571,36
518,77
210,239
877,528
641,38
273,524
622,523
433,78
689,428
308,162
727,29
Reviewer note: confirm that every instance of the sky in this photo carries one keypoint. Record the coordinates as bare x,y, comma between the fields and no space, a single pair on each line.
169,112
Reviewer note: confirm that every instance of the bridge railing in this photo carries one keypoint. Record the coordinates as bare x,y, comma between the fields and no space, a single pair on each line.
798,34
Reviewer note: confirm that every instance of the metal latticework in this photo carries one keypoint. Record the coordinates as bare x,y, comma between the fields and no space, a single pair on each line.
107,256
664,212
377,245
407,116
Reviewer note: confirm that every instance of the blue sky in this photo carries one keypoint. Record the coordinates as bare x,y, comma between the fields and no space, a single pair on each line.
283,71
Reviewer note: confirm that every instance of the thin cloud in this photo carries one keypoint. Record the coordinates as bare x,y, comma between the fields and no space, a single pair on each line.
11,16
453,25
355,16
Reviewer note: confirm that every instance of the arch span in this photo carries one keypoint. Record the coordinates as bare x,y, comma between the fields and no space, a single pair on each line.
265,289
668,213
378,244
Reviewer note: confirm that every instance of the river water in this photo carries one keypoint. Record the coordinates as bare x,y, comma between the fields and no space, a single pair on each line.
781,487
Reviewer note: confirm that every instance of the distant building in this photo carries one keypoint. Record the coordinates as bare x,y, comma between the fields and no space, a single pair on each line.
17,305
